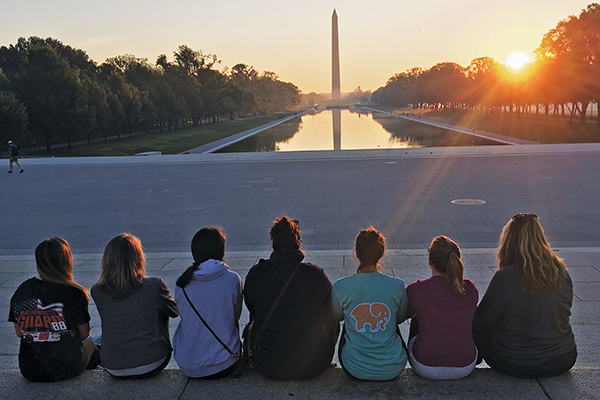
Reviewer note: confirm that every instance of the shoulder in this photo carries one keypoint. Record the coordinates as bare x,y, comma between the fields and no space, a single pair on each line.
28,283
392,280
154,285
345,282
418,284
469,285
315,274
504,275
232,277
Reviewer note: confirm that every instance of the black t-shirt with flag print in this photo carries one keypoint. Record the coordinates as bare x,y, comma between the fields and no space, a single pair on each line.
49,315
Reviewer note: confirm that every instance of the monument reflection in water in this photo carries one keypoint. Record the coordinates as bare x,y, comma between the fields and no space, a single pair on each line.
350,129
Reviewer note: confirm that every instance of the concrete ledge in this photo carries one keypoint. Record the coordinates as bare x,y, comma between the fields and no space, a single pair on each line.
333,384
150,153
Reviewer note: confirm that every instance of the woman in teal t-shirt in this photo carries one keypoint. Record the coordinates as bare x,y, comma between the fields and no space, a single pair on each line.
371,305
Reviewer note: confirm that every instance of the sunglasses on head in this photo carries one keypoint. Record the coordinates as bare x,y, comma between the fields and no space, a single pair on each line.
523,215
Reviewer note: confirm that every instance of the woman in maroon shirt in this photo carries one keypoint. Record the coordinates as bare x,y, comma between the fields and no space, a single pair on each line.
440,344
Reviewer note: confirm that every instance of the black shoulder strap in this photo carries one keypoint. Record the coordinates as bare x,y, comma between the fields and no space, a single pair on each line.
208,327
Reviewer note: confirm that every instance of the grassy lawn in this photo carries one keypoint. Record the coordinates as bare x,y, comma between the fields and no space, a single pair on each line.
529,128
173,142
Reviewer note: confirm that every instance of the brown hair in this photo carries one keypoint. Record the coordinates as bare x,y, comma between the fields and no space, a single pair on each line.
122,267
54,263
370,247
208,243
285,234
444,255
523,245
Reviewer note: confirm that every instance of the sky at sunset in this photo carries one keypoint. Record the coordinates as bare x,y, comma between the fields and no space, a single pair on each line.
378,38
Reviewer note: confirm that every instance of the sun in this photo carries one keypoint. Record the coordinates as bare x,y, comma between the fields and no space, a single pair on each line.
517,59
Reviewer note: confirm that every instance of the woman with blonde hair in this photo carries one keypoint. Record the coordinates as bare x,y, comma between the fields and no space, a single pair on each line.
441,309
371,305
134,311
521,326
50,315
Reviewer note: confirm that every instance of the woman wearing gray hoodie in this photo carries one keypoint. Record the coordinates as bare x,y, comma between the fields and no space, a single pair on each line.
216,293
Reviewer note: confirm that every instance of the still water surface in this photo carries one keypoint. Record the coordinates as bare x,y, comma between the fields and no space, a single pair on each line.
344,129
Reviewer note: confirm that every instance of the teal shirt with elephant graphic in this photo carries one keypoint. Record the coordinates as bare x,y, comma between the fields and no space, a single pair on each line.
371,305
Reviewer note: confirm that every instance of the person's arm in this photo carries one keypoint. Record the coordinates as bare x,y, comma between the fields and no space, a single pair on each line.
239,300
412,296
84,330
17,330
169,306
494,301
401,315
336,307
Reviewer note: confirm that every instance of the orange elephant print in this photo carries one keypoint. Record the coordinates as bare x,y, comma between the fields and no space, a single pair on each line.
377,315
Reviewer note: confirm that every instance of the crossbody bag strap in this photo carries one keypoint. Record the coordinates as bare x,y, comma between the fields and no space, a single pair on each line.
262,328
208,327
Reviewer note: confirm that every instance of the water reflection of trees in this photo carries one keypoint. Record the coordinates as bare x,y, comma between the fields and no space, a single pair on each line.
415,134
268,140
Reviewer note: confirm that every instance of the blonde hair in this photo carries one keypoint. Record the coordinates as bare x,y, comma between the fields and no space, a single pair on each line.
122,267
444,255
524,246
54,263
370,247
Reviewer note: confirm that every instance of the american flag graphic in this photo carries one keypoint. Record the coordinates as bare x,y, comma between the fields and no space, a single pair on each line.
58,307
36,304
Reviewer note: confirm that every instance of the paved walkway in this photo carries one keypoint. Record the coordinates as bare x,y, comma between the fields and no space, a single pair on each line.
238,137
405,193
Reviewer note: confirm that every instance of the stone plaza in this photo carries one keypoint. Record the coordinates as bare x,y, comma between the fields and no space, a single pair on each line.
406,194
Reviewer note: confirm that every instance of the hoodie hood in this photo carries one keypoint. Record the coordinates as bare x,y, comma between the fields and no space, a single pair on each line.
439,291
209,270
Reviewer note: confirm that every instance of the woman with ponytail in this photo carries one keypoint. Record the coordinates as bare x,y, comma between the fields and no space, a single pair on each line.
442,307
50,315
521,326
216,293
371,305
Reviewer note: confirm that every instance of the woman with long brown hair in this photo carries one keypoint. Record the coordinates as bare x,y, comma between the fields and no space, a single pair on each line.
521,326
441,309
134,311
50,314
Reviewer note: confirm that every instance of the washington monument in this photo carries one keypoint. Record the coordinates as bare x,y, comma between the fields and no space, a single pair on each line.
335,58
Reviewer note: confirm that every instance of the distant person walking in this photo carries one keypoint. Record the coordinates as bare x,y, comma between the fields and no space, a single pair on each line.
13,152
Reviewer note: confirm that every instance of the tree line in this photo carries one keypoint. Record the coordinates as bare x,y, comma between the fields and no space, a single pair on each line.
51,92
564,76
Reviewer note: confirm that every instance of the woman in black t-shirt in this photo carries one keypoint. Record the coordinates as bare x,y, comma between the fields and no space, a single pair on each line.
50,315
521,325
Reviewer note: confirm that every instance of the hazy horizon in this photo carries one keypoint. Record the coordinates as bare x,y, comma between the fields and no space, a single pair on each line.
377,39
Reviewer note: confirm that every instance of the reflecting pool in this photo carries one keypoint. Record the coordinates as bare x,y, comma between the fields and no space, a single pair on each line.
351,129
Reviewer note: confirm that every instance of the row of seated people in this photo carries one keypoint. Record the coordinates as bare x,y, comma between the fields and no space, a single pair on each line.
520,327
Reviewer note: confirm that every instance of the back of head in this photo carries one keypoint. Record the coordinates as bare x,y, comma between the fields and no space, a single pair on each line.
54,262
122,266
524,246
370,247
207,244
444,255
285,234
